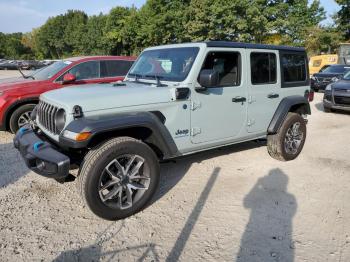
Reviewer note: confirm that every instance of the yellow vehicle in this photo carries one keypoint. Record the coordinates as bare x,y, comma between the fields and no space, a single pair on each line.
316,63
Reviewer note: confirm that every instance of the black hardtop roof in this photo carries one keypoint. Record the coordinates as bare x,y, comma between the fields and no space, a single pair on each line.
229,44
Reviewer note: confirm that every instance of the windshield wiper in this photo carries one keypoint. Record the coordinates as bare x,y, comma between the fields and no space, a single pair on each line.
137,76
24,76
157,77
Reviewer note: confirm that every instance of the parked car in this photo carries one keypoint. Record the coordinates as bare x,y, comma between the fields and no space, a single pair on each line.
32,65
176,100
337,95
18,96
8,65
330,74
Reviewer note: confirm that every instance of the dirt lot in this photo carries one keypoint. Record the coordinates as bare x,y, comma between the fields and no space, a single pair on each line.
230,204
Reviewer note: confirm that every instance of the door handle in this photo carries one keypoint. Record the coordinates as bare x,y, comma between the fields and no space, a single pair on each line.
239,99
273,95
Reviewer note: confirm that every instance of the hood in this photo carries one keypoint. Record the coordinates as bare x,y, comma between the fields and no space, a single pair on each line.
106,96
16,82
341,84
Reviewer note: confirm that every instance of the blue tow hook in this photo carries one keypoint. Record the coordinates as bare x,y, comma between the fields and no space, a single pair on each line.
37,146
22,130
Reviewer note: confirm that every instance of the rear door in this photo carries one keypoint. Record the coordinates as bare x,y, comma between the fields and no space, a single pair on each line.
264,83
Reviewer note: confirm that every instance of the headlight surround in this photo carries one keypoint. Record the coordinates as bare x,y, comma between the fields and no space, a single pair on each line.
329,87
60,119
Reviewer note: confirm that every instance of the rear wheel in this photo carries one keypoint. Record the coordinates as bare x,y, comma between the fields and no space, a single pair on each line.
287,144
21,117
118,178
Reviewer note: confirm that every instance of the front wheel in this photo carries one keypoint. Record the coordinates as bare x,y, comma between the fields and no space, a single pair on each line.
118,178
21,117
287,144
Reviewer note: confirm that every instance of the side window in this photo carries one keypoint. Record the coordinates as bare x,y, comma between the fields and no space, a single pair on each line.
85,70
227,64
294,68
263,68
113,68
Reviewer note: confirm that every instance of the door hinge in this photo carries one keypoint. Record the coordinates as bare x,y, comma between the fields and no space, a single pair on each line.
195,131
250,122
195,105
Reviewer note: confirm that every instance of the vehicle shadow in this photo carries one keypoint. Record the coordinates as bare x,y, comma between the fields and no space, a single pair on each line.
268,234
319,107
12,167
173,171
146,251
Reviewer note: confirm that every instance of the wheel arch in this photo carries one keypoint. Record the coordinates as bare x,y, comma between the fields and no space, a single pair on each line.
14,106
297,104
145,126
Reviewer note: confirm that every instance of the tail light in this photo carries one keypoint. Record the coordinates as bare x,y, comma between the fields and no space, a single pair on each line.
309,95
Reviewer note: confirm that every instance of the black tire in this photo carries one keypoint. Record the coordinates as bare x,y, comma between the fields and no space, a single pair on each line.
93,171
276,144
15,117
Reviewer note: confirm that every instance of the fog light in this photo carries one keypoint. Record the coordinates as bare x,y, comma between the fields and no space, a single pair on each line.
40,164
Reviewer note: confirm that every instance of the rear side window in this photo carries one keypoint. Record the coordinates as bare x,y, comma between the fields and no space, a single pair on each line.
227,64
294,68
263,68
113,68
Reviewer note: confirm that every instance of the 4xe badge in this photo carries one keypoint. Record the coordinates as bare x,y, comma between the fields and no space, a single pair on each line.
180,133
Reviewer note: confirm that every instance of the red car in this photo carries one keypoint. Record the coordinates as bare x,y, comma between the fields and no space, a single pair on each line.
18,96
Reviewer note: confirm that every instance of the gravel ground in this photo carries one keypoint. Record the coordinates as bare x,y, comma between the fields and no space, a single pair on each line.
231,204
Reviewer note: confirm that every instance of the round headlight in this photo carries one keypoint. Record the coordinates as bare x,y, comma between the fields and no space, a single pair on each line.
60,120
329,87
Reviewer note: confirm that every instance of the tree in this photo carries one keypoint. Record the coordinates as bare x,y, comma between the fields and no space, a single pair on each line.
342,18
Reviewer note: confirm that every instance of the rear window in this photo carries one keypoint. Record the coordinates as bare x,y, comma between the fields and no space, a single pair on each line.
113,68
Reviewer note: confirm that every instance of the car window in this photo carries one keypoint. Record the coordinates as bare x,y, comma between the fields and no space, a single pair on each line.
86,70
294,67
113,68
263,68
336,69
227,64
168,64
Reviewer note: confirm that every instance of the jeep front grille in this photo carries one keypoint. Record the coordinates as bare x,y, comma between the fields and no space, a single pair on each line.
46,116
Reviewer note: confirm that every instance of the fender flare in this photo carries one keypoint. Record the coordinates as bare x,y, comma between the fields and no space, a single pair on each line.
14,105
284,108
159,136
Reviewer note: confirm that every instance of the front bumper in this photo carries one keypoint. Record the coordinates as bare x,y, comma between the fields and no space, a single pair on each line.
40,156
331,105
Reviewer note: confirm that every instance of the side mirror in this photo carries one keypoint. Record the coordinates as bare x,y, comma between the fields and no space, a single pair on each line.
208,78
68,78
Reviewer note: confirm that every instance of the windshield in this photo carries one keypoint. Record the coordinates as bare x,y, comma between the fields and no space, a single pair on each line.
171,64
49,71
335,69
347,76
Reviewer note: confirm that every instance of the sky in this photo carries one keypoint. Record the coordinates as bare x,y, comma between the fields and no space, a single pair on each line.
24,15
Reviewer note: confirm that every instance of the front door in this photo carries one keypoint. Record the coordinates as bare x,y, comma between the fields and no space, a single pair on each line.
219,113
264,88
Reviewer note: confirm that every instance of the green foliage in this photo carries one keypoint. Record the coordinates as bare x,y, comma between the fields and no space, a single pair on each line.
126,31
343,18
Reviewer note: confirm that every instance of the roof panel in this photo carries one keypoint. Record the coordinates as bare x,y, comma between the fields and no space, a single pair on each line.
252,46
